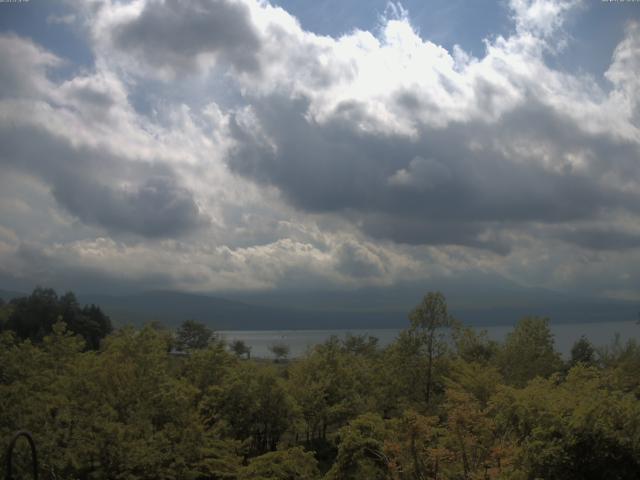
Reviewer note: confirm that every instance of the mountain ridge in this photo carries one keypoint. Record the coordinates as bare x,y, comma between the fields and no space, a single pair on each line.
341,310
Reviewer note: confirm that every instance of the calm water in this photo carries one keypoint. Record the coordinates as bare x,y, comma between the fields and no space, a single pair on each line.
299,341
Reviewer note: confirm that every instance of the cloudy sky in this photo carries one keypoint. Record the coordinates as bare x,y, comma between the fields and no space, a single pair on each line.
219,145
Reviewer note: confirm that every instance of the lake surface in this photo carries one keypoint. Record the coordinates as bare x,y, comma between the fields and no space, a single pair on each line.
299,341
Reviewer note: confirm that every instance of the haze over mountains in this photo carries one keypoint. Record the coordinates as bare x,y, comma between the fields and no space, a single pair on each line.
490,303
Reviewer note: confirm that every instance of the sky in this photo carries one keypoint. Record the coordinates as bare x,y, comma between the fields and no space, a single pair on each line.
244,146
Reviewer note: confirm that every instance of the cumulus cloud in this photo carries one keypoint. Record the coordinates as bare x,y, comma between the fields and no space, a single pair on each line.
179,37
436,151
623,74
24,67
93,182
533,165
287,158
83,181
540,17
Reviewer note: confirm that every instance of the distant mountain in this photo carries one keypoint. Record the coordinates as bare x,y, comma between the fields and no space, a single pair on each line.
367,309
7,295
172,308
481,302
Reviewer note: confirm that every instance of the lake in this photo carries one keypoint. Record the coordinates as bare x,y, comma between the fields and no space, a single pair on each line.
299,341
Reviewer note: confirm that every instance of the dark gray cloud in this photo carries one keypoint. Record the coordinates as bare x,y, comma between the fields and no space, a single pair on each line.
172,34
460,184
600,238
357,261
100,188
409,230
156,207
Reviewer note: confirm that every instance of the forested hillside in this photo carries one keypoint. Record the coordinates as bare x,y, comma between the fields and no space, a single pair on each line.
441,402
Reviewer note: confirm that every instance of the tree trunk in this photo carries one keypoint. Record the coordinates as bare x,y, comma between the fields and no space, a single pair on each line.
414,453
429,368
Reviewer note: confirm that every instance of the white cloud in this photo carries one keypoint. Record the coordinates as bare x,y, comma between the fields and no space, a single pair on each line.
540,17
360,160
24,67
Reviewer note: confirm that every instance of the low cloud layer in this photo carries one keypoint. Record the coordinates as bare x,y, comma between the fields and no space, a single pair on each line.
270,157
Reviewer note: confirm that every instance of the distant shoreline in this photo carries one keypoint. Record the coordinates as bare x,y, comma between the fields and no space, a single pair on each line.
600,334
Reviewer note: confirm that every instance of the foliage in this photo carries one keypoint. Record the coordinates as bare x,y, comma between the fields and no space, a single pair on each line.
360,344
473,346
582,352
291,464
240,348
280,351
361,450
528,352
413,448
33,317
427,319
252,406
330,386
421,408
5,312
624,363
414,367
579,428
116,414
192,335
207,367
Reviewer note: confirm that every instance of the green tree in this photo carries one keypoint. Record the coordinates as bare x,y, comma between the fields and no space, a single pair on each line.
240,348
93,325
529,352
251,406
291,464
623,363
146,425
413,447
5,313
192,335
473,346
478,380
576,429
360,345
208,367
471,437
330,386
401,375
33,317
582,352
280,351
116,414
427,319
361,451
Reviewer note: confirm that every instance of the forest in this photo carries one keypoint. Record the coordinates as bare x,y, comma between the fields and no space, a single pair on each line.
441,402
